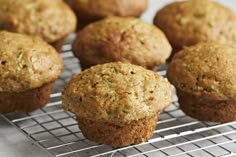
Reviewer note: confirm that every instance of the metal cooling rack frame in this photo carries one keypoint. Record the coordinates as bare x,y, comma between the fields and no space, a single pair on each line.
177,135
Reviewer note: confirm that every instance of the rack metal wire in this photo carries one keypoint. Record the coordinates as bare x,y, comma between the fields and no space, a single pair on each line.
177,135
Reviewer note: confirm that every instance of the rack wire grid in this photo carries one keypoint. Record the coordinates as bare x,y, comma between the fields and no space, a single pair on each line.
176,135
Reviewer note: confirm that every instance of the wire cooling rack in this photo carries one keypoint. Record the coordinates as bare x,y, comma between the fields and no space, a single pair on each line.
177,135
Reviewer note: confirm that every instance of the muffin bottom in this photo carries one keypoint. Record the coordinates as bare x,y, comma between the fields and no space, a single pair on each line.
132,133
59,43
206,108
26,101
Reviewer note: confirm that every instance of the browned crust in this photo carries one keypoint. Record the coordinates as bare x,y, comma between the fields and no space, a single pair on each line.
96,10
27,101
187,23
133,133
207,108
121,39
49,20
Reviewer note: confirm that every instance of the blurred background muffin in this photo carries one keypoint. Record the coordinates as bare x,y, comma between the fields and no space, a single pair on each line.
28,70
52,20
124,39
205,79
117,103
88,11
186,23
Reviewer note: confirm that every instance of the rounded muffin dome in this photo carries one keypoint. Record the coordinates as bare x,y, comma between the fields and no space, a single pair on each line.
189,22
26,62
89,10
205,80
49,19
117,93
207,69
124,39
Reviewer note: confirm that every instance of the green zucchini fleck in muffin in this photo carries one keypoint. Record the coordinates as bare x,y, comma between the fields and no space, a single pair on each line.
117,103
28,70
187,23
205,79
52,20
125,39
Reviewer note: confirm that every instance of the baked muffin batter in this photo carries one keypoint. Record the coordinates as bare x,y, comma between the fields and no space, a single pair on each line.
189,22
52,20
121,39
88,11
205,79
28,69
117,103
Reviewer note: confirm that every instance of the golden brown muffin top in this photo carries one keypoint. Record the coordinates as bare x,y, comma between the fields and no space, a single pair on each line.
207,68
122,39
26,62
193,21
49,19
117,93
97,9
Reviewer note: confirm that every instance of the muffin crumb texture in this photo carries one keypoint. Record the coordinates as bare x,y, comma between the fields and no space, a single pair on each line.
121,39
116,93
52,20
26,62
189,22
88,11
206,67
205,79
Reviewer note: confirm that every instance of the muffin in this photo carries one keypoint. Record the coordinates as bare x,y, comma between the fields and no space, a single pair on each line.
124,39
28,70
117,103
88,11
51,20
189,22
205,79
